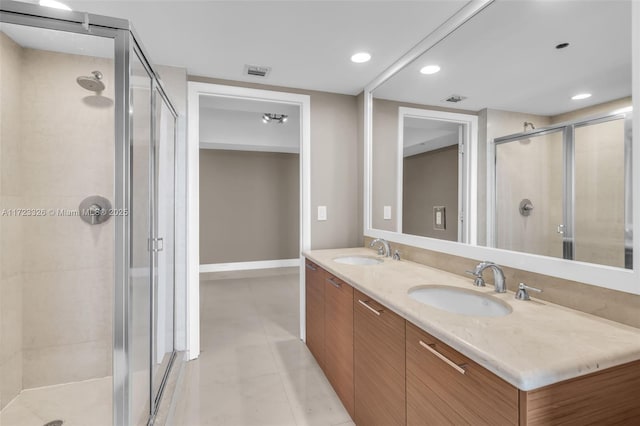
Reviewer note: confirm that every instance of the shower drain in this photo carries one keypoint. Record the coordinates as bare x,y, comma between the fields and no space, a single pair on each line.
54,423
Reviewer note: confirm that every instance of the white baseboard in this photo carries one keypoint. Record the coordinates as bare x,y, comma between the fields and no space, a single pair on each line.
245,266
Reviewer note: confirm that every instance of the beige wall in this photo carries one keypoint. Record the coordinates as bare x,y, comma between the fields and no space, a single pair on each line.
334,170
249,206
431,179
385,156
63,152
11,231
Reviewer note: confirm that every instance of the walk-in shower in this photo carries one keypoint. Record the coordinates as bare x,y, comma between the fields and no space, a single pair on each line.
87,230
565,190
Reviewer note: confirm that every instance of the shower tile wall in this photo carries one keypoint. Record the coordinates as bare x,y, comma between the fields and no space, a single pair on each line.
10,228
65,154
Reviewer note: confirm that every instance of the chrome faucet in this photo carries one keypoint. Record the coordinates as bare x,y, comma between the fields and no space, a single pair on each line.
498,276
384,249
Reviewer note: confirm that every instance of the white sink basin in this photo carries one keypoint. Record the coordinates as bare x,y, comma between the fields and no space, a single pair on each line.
460,301
358,260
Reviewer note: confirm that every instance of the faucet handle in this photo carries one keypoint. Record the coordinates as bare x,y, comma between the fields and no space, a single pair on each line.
522,294
479,281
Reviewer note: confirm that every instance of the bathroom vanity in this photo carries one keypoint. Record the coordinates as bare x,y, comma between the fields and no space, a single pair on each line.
394,360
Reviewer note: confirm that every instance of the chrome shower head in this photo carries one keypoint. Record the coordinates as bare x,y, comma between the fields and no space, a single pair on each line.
92,83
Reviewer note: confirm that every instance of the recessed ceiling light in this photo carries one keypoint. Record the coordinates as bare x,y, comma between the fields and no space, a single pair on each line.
581,96
430,69
361,57
55,4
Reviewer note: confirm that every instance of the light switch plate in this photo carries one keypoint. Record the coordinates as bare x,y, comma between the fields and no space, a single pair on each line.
322,212
387,213
439,218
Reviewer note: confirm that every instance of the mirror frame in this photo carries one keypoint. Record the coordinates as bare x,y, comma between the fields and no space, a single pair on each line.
613,278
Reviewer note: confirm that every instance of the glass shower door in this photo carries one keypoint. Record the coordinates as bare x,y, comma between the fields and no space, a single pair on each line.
529,194
164,254
600,198
141,278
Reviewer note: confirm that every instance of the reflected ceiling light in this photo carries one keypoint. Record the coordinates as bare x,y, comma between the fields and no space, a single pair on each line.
430,69
361,57
55,4
581,96
268,117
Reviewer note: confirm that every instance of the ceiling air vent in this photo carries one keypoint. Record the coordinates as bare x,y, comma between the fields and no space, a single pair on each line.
455,98
257,71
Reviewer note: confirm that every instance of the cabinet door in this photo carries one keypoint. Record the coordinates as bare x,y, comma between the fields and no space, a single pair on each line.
314,303
379,336
446,388
338,335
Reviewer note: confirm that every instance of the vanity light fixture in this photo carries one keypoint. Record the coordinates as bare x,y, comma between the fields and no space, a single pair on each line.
269,117
361,57
430,69
581,96
55,4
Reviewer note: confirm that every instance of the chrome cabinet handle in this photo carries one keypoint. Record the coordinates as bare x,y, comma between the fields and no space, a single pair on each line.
311,267
334,283
431,348
366,305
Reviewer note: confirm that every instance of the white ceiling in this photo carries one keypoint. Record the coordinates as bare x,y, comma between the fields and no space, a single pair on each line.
59,41
422,134
307,43
236,124
505,58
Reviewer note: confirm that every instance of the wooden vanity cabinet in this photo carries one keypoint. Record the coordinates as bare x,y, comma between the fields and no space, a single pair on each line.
338,339
379,338
314,310
446,388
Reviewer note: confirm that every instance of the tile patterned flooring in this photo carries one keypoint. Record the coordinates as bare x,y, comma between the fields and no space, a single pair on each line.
253,369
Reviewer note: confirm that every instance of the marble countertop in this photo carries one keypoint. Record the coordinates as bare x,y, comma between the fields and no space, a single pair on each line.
536,345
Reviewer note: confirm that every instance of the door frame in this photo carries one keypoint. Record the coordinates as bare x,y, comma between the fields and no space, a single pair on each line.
195,90
467,214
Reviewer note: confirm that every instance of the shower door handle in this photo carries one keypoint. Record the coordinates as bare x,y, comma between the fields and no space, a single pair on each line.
156,244
560,229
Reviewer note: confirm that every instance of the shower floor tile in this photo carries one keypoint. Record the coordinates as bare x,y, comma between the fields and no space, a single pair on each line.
253,368
86,403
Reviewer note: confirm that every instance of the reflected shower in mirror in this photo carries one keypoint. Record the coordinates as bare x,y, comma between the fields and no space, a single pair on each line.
548,168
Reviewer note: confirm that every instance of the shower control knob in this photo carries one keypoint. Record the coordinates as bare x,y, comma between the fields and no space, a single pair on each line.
95,210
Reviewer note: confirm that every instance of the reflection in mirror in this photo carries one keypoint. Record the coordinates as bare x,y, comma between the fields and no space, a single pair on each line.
552,97
433,187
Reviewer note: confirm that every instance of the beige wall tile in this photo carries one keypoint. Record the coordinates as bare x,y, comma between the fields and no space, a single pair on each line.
56,243
11,317
11,228
67,307
63,364
11,383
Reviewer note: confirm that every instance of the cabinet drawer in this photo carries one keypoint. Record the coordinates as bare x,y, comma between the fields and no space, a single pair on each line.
446,388
379,336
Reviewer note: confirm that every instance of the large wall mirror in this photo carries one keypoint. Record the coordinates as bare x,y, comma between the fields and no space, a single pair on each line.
509,136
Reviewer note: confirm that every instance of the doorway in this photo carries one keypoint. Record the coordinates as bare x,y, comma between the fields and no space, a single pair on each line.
261,101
